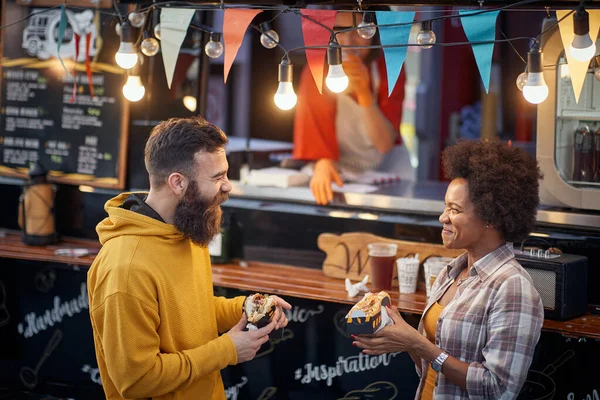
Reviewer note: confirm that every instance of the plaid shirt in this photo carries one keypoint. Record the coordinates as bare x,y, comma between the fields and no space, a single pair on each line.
493,323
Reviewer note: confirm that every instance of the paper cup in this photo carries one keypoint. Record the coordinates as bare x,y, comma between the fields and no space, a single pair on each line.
433,266
408,272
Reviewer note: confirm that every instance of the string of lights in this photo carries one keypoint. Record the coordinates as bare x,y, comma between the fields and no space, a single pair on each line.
137,35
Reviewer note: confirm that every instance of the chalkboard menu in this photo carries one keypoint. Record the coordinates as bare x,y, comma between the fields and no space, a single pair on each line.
75,123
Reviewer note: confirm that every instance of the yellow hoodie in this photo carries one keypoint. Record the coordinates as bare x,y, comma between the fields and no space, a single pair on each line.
154,316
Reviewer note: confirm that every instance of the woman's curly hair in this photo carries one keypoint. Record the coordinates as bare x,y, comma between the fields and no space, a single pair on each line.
502,182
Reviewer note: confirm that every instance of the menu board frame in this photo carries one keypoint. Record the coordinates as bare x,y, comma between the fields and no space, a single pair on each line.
57,176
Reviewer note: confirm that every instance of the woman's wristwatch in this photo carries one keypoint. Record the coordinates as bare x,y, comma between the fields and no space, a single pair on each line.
436,364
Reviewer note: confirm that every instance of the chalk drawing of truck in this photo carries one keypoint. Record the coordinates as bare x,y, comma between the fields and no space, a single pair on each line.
40,36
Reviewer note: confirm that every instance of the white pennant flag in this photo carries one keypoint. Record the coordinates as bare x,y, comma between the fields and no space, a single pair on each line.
174,23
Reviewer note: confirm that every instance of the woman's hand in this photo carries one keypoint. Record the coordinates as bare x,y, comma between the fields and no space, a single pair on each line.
320,184
360,81
399,337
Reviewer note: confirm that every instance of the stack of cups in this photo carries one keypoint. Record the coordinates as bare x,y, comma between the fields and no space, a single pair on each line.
408,272
432,267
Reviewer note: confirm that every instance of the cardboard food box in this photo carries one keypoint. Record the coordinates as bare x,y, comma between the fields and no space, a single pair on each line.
357,322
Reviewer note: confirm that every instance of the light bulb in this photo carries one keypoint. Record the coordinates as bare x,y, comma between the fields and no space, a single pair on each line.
597,73
265,40
521,80
149,46
133,90
214,48
535,93
426,36
137,19
336,80
367,28
126,57
581,53
285,98
582,47
157,32
535,90
190,103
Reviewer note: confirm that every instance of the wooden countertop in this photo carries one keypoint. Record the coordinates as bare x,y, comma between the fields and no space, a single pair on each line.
275,279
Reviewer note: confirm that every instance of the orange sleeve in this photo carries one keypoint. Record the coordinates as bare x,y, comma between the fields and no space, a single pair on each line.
391,107
314,123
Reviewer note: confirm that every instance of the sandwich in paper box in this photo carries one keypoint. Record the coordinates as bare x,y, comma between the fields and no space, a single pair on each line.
259,309
369,315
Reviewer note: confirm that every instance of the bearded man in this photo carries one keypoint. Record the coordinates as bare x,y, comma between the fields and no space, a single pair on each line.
155,319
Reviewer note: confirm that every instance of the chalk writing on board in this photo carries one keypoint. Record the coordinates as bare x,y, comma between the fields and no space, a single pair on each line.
381,390
29,376
267,393
344,365
94,373
232,392
44,280
286,334
339,321
540,385
592,396
35,323
301,315
4,315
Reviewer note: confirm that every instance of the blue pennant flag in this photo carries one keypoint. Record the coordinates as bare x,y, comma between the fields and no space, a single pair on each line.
478,28
394,56
62,26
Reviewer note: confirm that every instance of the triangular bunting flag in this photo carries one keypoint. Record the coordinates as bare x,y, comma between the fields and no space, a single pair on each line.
577,69
394,56
317,35
235,23
174,23
479,28
62,25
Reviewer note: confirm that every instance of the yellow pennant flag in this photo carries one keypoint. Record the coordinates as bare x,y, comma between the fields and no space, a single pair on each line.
578,69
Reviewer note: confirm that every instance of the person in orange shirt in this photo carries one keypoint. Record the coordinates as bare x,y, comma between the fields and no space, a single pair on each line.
351,130
155,319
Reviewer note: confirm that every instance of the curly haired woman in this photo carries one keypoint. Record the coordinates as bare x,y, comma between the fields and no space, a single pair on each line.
478,333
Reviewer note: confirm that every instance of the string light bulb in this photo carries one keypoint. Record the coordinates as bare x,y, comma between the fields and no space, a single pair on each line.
214,47
521,80
285,98
426,37
134,90
157,32
535,90
268,38
336,80
137,19
596,66
149,46
582,47
367,28
126,56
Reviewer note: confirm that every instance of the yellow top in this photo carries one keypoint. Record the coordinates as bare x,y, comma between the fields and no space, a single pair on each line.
429,325
154,316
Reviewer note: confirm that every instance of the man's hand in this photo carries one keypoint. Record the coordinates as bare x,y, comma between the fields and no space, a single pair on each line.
248,343
320,184
279,316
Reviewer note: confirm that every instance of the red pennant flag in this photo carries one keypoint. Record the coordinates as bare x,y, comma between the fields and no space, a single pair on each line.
235,23
317,35
77,41
88,66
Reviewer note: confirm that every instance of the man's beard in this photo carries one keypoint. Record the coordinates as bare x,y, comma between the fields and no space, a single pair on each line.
197,217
